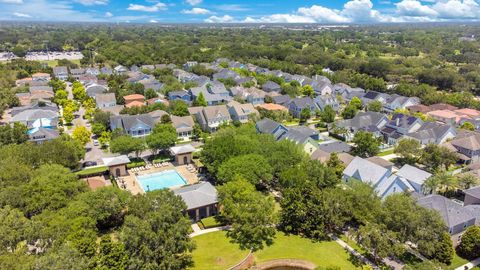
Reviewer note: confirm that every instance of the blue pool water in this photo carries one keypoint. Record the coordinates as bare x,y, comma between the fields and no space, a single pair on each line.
161,180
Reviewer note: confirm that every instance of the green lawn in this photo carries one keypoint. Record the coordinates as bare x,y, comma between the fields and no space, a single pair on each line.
385,153
209,222
323,254
214,251
92,170
54,63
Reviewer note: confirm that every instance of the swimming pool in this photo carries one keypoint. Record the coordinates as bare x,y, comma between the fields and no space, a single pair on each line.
161,180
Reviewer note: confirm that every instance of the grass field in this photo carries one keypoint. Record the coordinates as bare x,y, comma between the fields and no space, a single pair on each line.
214,251
54,63
386,153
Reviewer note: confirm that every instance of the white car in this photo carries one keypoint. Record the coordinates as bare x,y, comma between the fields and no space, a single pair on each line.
95,143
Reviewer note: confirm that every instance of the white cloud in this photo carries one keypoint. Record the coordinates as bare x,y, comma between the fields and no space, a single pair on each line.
45,10
92,2
153,21
197,11
457,9
158,6
414,8
194,2
322,14
12,1
223,19
108,14
233,7
21,15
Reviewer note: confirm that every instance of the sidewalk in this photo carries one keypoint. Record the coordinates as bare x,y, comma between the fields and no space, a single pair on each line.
197,231
355,253
470,265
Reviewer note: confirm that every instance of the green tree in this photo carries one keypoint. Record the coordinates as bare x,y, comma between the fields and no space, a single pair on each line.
356,103
444,249
98,129
470,245
156,226
79,92
305,114
15,134
178,108
105,138
467,180
200,101
150,93
378,240
253,167
162,137
250,214
335,163
68,115
60,97
308,91
62,257
349,111
408,150
436,157
366,145
328,114
126,144
81,134
14,228
467,126
375,106
111,255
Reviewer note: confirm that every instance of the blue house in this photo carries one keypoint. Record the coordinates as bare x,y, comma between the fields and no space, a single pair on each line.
296,106
180,95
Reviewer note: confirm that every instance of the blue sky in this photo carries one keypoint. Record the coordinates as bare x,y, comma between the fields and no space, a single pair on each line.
249,11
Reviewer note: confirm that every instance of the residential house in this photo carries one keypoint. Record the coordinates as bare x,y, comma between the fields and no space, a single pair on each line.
218,88
134,125
42,134
210,118
180,95
431,132
323,157
283,100
363,121
184,126
106,71
381,162
302,137
92,71
184,76
296,105
271,87
322,87
467,146
225,74
418,108
347,92
251,95
366,172
241,112
327,100
157,115
135,100
442,106
39,76
472,196
120,70
371,96
446,116
400,125
268,126
41,105
105,100
212,99
457,217
134,68
61,73
201,200
335,146
201,81
407,179
271,107
36,118
190,64
77,73
95,89
395,102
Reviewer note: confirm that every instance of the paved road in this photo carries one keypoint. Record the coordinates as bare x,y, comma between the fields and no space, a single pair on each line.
469,265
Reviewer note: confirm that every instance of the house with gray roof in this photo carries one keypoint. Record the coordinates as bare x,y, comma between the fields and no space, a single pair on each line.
301,137
467,146
135,125
282,100
120,70
251,95
241,112
183,125
271,87
218,88
371,96
92,71
61,73
296,105
432,132
225,74
347,92
395,101
472,196
399,125
322,87
41,105
408,179
327,100
457,217
212,99
268,126
41,134
363,121
106,71
36,118
212,117
94,89
201,200
180,95
106,100
365,171
77,72
335,146
202,81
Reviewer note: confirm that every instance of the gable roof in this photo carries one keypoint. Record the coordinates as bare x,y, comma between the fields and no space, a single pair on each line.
474,192
335,146
105,98
242,109
413,174
303,102
198,195
365,171
113,161
128,121
452,213
381,162
182,149
182,123
362,120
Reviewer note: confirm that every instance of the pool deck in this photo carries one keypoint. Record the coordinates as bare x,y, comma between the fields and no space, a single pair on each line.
134,186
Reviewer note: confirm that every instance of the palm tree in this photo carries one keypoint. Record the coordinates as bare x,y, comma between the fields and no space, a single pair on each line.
467,180
441,180
430,185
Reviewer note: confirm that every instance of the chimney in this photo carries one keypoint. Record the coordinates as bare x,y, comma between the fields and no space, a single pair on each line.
398,121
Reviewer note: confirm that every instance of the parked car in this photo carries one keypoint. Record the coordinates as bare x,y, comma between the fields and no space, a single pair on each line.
89,164
95,143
